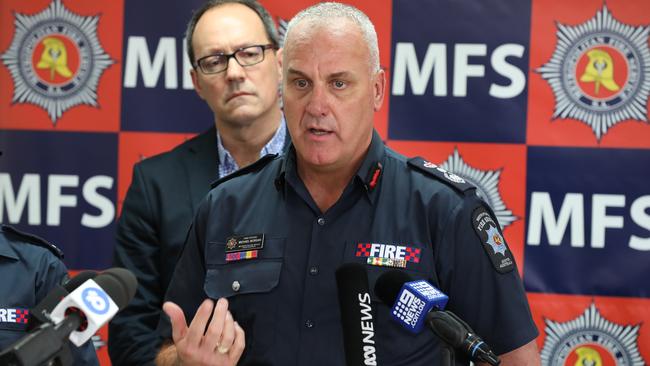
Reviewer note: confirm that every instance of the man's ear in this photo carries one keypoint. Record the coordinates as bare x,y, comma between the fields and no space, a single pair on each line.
279,54
379,89
195,82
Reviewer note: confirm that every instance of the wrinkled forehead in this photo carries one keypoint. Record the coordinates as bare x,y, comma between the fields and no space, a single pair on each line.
313,35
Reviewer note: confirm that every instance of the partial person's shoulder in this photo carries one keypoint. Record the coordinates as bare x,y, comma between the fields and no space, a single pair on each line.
204,140
24,242
431,171
248,170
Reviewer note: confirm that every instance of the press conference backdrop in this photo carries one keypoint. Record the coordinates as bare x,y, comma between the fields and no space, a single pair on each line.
541,104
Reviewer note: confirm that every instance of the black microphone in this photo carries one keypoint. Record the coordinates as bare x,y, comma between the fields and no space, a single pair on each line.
445,324
76,317
40,314
459,335
356,315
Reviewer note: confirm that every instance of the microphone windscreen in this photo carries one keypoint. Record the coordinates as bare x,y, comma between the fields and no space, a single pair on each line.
447,327
119,283
389,284
81,277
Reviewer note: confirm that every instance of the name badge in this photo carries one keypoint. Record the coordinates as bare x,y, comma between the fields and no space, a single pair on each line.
244,243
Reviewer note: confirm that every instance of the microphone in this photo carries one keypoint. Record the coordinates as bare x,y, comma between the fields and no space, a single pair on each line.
417,302
40,314
77,317
412,300
458,334
96,301
356,315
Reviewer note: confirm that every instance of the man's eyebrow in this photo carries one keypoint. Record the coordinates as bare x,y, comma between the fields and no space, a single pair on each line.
340,74
293,71
220,50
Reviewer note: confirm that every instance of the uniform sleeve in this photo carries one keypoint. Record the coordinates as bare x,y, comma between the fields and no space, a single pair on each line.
482,291
55,273
132,338
186,286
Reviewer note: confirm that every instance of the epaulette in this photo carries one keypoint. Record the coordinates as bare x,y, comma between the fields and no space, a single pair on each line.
433,170
33,239
247,169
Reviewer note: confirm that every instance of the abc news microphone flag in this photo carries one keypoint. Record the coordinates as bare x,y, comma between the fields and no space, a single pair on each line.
543,105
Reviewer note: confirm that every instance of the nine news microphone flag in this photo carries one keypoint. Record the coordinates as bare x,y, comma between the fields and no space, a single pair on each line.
77,317
417,302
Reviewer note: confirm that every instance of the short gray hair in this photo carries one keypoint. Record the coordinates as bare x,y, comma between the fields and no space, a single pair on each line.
323,13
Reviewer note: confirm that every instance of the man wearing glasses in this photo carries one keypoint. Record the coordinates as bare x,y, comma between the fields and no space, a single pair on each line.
232,45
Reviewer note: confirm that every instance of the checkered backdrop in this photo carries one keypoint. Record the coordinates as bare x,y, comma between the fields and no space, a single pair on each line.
542,104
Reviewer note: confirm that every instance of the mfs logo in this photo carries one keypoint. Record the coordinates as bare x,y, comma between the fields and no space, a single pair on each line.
587,225
590,339
55,59
458,71
600,72
487,185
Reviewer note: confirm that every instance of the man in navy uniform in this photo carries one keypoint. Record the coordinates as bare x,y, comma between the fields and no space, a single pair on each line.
232,47
270,238
30,268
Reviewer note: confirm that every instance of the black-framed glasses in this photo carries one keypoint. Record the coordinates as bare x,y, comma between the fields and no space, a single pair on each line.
245,56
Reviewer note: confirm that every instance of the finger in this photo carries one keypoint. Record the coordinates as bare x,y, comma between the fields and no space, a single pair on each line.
213,333
228,334
238,344
177,319
197,327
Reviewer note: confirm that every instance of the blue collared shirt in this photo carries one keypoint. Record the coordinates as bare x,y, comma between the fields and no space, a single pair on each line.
227,163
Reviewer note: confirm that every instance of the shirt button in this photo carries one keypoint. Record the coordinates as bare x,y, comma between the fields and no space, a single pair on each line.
235,286
309,323
321,221
313,271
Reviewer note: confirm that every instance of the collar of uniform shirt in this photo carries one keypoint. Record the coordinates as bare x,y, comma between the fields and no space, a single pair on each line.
227,163
365,174
6,249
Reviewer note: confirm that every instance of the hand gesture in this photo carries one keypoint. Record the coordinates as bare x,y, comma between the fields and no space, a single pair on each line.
220,343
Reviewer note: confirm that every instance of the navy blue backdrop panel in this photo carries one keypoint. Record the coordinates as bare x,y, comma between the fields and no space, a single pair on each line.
461,80
157,93
62,190
588,221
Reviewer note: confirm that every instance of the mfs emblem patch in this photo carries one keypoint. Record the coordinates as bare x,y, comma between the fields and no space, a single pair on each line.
600,72
55,59
590,339
492,240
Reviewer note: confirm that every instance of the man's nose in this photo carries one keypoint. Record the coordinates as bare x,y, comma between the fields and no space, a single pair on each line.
234,71
318,104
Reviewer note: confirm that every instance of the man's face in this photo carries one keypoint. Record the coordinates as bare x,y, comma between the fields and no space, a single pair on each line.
330,94
240,94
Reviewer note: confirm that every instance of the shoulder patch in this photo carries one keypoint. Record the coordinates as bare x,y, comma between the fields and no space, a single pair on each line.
262,162
489,234
433,170
33,239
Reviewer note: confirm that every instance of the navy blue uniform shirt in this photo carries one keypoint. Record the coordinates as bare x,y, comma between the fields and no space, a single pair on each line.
284,293
29,269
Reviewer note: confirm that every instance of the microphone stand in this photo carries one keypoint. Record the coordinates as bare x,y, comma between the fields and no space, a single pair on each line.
447,355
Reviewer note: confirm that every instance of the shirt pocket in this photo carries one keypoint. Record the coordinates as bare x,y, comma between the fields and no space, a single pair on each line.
244,276
249,285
